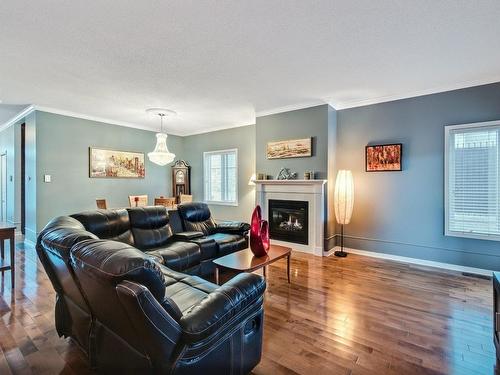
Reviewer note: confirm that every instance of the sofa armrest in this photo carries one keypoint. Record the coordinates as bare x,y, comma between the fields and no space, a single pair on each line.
233,227
222,305
187,236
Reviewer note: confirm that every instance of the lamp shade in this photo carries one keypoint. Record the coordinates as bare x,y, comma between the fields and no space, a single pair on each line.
344,196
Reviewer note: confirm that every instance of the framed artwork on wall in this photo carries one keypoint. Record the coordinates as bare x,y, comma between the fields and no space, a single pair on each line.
105,163
294,148
384,158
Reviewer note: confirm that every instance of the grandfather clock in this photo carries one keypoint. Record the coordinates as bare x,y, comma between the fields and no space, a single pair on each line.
181,179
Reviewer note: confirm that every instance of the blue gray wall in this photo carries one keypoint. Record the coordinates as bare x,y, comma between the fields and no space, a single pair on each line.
398,213
302,123
242,138
62,145
402,213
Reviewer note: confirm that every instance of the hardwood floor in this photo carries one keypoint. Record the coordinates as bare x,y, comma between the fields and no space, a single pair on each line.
356,315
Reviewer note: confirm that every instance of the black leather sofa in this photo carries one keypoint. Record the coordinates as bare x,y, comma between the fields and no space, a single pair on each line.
122,299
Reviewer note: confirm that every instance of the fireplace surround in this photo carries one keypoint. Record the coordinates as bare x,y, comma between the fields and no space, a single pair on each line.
310,191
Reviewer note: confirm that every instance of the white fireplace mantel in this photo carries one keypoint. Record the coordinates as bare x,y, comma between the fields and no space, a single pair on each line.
312,191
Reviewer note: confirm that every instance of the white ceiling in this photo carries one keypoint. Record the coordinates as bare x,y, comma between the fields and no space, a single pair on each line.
219,63
8,111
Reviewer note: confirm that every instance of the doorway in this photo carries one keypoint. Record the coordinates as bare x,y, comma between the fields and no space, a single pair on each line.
23,178
3,187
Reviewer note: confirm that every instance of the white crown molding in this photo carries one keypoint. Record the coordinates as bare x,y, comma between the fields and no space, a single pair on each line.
420,262
412,94
216,129
84,116
20,115
288,108
338,105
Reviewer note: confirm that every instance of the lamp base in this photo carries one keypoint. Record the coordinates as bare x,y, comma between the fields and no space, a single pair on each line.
341,254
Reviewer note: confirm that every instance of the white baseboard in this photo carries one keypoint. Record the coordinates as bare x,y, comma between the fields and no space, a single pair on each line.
420,262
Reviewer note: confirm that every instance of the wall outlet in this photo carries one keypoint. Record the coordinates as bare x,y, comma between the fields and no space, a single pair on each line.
47,178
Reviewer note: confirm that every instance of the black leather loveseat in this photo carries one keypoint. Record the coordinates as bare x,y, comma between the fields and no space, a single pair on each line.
120,299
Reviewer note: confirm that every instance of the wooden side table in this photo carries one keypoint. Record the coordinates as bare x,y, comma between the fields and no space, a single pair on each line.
245,261
7,232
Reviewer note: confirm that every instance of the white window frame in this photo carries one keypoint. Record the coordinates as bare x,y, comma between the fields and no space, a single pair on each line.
221,203
447,130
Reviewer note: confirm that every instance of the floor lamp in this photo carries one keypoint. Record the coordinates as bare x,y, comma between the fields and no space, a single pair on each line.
343,202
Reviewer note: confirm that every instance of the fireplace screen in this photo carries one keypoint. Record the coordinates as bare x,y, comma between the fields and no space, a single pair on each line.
288,221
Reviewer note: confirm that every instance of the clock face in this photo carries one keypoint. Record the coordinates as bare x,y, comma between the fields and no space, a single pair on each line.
179,177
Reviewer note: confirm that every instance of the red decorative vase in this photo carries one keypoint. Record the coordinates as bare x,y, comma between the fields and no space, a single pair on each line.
259,234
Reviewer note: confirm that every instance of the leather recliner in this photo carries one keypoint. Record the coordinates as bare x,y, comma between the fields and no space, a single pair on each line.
130,313
229,236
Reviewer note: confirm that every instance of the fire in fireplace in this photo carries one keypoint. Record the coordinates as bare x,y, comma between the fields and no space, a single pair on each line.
288,221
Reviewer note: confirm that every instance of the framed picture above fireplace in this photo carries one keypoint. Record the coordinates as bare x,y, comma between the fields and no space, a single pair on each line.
295,148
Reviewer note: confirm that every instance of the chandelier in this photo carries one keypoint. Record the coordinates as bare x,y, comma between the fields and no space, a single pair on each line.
160,155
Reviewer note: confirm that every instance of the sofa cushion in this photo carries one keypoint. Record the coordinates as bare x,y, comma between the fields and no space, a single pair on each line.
196,217
60,234
178,256
227,243
113,262
150,226
107,224
208,247
186,291
221,306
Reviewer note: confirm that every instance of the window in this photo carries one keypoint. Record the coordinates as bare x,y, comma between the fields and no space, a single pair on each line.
472,162
221,177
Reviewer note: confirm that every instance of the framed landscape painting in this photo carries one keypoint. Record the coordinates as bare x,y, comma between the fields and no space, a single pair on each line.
295,148
104,163
384,158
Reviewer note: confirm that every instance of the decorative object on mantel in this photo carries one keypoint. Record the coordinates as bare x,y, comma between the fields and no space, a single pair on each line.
261,176
251,181
384,158
295,148
104,163
344,203
181,179
309,175
285,174
160,155
259,234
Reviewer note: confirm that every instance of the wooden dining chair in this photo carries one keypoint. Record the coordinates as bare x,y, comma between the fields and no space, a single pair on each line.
101,204
168,202
185,198
138,200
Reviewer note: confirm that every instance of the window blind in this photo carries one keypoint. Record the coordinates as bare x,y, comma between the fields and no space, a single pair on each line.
472,175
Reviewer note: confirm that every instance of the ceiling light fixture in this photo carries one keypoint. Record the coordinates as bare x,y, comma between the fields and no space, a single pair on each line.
160,155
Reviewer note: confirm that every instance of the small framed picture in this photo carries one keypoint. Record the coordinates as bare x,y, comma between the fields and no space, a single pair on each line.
384,158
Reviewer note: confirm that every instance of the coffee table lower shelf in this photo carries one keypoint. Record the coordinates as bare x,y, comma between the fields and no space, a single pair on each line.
245,261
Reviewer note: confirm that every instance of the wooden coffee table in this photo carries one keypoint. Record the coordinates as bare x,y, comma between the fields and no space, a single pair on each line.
245,261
